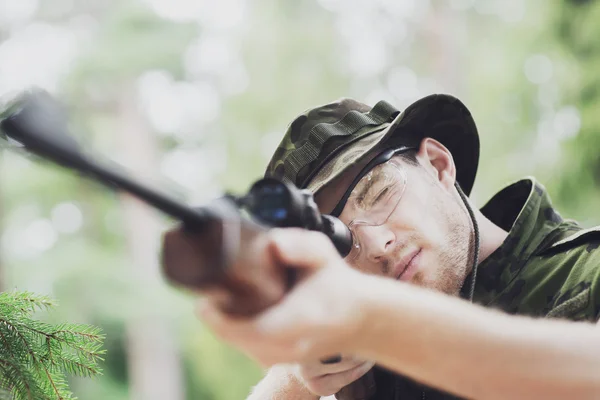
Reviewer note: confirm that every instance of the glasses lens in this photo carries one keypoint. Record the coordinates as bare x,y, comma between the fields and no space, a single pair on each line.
374,199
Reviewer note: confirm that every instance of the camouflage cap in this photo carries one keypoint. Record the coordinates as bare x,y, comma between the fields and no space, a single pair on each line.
325,141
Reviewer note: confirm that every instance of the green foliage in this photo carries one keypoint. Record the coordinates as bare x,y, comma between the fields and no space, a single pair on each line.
577,32
35,356
130,41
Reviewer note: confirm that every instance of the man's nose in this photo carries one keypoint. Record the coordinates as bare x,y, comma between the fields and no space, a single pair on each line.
378,240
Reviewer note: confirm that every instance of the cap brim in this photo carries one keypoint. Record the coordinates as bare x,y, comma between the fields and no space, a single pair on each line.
441,117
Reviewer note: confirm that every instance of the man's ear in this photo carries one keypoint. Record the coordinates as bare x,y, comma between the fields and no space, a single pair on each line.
438,161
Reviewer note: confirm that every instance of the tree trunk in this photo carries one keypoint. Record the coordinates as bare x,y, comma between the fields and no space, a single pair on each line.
446,33
154,364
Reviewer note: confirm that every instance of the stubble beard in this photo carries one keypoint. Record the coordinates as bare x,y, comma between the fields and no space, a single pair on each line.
455,256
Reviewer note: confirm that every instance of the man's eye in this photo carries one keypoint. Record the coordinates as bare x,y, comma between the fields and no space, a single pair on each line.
380,196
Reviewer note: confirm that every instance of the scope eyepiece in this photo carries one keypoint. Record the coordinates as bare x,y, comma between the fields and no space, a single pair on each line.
279,204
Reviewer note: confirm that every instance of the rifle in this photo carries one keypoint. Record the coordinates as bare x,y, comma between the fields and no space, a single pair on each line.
219,232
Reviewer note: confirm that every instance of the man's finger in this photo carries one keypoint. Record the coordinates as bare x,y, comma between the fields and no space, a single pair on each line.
210,315
221,323
316,369
331,384
301,248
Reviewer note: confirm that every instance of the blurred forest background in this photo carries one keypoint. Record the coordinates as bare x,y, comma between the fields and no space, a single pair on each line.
195,95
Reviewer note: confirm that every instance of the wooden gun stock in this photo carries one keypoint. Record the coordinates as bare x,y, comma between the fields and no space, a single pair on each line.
214,261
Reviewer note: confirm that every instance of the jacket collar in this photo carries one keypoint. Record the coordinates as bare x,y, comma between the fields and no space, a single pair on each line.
524,209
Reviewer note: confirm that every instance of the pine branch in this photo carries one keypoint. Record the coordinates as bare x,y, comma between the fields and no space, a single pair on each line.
35,356
14,377
84,339
33,361
32,300
55,382
24,303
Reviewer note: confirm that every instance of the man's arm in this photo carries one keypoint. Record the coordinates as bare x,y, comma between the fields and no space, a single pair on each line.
477,352
281,384
437,339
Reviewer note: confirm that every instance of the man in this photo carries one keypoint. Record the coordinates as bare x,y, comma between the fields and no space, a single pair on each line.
397,180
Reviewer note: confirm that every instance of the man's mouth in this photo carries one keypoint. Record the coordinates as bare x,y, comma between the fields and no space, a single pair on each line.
407,266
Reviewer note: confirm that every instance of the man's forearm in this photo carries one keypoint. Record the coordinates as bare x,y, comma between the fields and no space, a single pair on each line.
476,352
281,384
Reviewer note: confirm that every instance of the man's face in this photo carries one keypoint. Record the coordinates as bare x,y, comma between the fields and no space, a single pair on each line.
426,239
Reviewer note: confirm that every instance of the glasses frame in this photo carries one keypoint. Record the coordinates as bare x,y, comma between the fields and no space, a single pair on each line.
381,158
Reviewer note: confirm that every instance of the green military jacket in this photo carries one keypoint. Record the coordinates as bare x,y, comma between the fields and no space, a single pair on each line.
547,267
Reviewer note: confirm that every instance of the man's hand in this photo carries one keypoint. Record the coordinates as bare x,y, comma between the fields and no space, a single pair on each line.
320,316
327,379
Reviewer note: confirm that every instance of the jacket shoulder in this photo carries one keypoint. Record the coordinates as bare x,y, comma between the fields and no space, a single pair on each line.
576,254
588,238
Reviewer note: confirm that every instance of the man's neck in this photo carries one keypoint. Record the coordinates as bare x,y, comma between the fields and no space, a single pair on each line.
491,236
